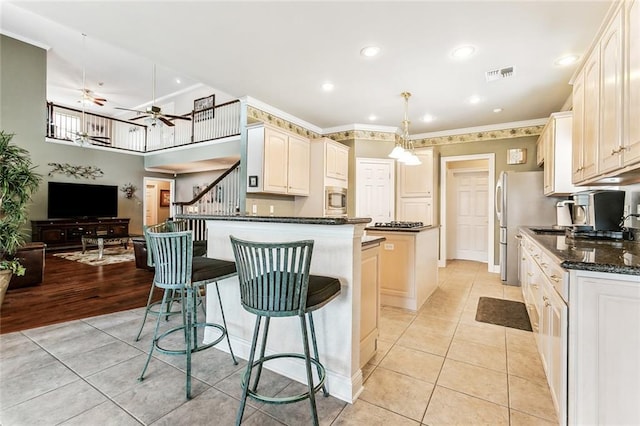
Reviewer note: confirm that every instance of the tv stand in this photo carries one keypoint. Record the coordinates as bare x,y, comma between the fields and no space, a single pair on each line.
67,233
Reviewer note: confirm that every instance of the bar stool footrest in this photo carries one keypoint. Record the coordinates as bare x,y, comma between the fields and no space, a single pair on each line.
196,348
286,399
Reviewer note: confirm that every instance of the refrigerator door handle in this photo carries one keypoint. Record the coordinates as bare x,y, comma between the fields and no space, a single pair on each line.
498,199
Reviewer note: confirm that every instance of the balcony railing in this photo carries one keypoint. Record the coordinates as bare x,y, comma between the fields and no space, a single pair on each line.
209,124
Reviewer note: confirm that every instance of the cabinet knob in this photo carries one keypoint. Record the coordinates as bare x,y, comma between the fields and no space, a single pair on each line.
555,278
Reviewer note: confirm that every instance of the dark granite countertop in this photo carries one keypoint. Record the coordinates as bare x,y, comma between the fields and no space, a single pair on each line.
287,219
618,257
388,229
369,240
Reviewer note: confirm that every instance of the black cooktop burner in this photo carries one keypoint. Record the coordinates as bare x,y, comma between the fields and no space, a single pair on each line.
398,224
598,235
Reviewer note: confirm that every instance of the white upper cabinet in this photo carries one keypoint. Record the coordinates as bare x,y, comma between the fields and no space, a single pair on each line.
417,181
556,139
277,161
336,160
631,139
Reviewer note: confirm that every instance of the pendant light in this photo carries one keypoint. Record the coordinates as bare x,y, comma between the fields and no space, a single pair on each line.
404,149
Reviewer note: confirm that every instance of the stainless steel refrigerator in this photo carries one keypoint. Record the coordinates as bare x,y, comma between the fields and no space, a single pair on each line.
520,201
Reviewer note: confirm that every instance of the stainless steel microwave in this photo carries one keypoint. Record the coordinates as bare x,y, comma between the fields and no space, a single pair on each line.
335,201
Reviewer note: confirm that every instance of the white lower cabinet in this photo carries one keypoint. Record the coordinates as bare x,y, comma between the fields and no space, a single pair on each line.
369,302
604,349
587,327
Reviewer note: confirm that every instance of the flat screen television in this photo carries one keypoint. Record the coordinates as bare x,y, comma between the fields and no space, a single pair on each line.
79,200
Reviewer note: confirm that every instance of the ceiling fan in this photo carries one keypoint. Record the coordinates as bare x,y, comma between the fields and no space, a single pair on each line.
82,137
155,112
89,96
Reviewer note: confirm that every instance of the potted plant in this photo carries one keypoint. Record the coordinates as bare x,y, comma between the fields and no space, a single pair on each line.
18,182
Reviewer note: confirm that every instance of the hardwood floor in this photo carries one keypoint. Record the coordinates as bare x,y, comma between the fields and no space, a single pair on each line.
72,290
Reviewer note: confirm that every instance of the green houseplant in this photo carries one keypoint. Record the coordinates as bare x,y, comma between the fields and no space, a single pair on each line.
18,182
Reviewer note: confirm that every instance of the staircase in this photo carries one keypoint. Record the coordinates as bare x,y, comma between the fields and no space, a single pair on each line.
220,198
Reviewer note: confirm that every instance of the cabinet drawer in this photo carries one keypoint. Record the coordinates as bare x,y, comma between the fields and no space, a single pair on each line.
557,276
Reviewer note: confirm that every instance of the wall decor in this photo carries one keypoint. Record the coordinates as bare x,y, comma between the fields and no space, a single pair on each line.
87,172
129,189
517,156
204,103
165,198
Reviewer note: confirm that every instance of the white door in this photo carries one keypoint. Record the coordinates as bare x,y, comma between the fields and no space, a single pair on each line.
471,215
375,191
150,203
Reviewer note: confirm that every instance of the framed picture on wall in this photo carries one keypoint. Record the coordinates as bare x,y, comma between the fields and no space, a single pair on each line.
204,103
165,198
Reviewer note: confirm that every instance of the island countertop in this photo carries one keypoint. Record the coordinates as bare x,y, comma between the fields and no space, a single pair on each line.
618,257
304,220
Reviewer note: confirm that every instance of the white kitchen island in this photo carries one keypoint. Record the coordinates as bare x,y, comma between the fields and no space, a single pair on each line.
337,252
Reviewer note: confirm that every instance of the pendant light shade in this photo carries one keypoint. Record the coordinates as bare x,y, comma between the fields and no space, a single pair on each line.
404,151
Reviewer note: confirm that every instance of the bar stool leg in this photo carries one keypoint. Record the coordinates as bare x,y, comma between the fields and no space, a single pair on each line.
224,324
247,374
267,321
146,311
315,351
155,334
307,359
189,329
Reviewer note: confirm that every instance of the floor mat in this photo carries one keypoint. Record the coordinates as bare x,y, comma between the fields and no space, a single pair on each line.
507,313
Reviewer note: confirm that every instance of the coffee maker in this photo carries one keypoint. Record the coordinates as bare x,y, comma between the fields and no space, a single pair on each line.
563,214
598,212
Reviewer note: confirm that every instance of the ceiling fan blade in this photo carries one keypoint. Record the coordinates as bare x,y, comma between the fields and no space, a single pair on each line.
99,141
179,117
100,137
165,121
100,99
138,117
97,102
129,109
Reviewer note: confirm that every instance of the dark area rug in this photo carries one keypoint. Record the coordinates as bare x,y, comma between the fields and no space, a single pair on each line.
507,313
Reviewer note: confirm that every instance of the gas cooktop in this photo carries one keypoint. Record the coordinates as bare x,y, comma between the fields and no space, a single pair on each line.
398,224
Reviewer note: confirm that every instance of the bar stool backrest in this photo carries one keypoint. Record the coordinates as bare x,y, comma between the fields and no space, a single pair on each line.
177,225
172,253
160,227
274,277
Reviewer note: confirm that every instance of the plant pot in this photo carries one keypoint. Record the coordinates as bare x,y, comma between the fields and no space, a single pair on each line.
5,277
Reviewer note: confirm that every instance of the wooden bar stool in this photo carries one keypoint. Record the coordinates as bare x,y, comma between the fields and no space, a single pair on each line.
275,282
178,272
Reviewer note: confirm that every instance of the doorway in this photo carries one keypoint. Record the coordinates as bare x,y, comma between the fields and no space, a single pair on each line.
155,207
375,189
466,208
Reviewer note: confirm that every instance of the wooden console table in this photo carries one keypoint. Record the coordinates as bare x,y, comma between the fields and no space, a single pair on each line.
67,233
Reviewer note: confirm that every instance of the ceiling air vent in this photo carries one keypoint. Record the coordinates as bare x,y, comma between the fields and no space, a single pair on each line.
499,74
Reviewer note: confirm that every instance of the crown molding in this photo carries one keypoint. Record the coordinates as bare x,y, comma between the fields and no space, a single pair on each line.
257,104
487,128
25,40
360,127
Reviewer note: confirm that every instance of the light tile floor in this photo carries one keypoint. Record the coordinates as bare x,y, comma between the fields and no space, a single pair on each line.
436,366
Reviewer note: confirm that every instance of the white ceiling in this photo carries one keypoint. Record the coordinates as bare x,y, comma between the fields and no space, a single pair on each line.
281,52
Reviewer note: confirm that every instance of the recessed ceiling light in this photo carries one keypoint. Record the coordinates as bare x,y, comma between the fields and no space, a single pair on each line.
462,52
566,60
474,100
427,118
369,51
327,87
178,80
372,117
497,110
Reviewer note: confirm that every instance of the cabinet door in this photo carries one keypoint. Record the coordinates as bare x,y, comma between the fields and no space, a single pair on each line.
539,151
396,266
416,210
53,235
276,160
417,181
591,115
337,161
604,349
298,165
369,303
577,140
610,140
547,140
632,82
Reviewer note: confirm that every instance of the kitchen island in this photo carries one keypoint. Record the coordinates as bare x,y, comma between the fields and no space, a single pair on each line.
337,252
409,264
